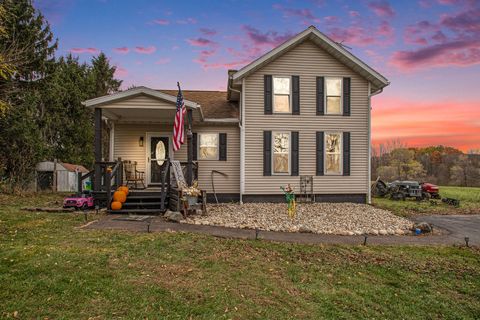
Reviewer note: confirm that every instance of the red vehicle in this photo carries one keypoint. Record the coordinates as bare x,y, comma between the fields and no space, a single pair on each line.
429,190
82,202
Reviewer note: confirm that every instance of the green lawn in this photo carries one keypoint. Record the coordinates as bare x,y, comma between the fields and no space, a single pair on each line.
50,269
469,203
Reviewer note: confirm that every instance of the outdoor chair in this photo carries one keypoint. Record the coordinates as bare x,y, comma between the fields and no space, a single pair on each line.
132,175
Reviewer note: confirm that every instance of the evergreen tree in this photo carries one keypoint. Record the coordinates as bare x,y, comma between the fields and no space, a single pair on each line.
27,43
103,76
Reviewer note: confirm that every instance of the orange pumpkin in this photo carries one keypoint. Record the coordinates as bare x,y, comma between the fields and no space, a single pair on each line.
116,205
119,196
124,189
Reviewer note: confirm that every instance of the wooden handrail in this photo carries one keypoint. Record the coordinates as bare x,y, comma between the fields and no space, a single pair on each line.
164,177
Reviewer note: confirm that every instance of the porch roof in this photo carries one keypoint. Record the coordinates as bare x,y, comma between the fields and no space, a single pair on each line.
207,105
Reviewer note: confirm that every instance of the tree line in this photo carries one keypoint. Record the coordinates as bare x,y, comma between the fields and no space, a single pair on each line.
41,115
436,164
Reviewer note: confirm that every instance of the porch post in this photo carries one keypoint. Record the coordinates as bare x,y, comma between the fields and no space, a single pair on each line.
97,184
190,148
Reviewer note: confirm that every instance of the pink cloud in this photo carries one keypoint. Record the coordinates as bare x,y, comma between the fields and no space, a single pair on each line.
458,53
460,48
201,42
85,50
468,21
120,72
418,32
225,65
382,8
331,19
122,50
208,32
305,14
425,3
145,50
269,39
362,36
163,61
354,13
162,22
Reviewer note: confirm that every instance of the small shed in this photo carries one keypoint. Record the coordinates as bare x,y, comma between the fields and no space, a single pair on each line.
58,176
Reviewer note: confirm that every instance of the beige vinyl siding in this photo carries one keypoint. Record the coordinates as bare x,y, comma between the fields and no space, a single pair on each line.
126,146
143,101
307,61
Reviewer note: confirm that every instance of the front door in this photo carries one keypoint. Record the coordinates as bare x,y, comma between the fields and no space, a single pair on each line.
159,152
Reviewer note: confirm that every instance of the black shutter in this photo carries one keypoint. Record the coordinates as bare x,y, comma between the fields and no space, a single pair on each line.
320,153
295,95
268,97
346,96
267,153
320,96
346,153
194,143
295,153
222,152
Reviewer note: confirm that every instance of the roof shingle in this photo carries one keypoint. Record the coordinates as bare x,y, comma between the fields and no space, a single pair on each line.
214,103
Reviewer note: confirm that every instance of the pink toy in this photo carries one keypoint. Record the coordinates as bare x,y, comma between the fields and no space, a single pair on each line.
82,202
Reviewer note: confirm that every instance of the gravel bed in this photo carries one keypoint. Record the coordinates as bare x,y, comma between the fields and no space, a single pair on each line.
326,218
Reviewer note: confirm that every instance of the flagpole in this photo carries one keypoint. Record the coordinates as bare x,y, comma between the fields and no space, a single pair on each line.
189,144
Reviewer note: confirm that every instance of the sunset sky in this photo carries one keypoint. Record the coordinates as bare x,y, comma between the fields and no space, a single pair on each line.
428,49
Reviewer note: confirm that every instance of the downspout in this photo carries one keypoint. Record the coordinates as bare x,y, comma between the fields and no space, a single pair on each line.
242,139
370,95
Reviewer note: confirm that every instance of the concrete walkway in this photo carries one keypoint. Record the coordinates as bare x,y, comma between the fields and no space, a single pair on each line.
449,236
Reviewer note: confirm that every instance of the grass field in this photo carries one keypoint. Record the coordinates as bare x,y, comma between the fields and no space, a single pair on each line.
469,203
51,269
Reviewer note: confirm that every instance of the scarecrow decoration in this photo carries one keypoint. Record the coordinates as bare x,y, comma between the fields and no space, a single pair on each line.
290,199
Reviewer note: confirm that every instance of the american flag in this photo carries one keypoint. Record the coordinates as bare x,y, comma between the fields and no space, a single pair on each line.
178,130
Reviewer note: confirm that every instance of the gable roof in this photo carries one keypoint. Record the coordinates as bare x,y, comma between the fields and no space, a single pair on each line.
214,103
339,52
211,104
74,167
137,91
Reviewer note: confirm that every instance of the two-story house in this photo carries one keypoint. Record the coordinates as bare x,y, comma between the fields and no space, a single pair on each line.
301,109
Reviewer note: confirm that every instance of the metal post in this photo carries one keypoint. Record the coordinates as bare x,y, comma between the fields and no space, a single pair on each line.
108,187
55,186
98,150
79,183
190,148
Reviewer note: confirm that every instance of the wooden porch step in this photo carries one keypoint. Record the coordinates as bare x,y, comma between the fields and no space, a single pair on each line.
139,211
140,197
141,204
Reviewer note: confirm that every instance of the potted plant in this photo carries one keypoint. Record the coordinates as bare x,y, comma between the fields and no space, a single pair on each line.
191,193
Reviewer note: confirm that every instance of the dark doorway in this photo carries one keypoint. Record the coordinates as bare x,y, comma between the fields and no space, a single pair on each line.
159,147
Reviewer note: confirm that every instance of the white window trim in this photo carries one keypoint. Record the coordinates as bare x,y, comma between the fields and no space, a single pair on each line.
198,146
326,95
289,153
325,153
289,95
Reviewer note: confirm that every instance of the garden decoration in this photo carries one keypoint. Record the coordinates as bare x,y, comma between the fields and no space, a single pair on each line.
119,196
290,198
191,193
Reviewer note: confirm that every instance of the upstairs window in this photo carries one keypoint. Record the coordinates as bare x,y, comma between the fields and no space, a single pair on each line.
333,96
281,95
208,146
281,152
333,153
